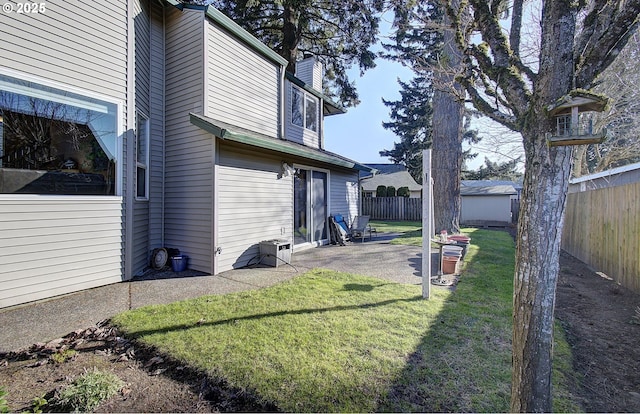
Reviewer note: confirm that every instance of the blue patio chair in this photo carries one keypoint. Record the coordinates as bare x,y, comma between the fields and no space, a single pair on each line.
358,228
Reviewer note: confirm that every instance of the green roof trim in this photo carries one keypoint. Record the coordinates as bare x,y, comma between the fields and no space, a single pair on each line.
237,134
331,108
228,24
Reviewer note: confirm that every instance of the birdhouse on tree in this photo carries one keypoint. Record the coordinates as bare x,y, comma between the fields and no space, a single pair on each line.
573,125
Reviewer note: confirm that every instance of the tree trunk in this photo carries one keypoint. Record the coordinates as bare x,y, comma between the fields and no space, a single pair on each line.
291,36
448,113
547,173
537,264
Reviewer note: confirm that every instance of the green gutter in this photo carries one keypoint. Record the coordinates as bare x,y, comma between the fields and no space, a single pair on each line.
262,141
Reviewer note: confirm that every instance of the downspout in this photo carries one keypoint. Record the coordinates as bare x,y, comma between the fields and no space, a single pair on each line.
215,249
164,122
282,103
129,136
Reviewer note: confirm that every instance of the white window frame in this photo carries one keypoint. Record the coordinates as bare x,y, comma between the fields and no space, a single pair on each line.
142,138
305,97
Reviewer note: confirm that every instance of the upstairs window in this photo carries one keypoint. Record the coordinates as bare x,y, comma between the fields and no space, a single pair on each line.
55,142
304,109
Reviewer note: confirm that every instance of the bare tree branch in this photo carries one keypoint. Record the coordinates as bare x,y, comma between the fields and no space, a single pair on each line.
606,29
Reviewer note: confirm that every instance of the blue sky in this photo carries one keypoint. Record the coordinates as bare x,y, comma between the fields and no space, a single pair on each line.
359,134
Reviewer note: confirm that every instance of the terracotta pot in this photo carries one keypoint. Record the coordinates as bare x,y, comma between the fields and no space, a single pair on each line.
449,265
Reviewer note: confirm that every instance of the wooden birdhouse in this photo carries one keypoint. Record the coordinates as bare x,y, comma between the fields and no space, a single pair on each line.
572,127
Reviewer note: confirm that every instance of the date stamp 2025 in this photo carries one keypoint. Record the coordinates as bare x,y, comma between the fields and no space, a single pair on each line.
24,8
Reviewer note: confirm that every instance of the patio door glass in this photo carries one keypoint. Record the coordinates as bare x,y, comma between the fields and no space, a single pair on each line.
319,205
309,206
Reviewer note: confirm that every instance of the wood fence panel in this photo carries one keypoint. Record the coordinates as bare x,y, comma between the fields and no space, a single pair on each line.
392,208
602,228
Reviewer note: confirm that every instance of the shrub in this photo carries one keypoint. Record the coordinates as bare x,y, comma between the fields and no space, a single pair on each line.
88,391
404,192
63,355
391,191
381,191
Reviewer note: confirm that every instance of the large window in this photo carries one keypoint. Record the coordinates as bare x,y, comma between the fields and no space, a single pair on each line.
55,142
304,109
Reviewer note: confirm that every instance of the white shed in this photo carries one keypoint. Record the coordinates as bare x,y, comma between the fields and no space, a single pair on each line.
486,204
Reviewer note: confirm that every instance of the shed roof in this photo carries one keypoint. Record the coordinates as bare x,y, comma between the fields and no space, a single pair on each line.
397,179
490,183
488,190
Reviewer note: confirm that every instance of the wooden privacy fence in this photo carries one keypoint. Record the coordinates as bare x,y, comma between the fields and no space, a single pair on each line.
602,228
392,208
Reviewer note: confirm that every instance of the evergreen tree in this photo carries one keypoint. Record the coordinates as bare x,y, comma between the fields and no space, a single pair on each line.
411,122
424,41
495,171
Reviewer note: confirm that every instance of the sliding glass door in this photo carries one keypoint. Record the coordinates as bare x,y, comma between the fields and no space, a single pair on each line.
310,206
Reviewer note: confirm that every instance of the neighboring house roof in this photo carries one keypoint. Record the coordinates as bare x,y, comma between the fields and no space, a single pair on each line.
486,188
387,168
396,179
237,134
607,173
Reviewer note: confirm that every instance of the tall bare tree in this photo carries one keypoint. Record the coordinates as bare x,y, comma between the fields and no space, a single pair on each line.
578,41
620,81
425,42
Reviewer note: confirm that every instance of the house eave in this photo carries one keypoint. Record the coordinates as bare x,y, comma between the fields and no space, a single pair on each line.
235,134
330,107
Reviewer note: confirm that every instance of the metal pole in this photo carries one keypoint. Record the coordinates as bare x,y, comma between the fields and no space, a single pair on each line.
427,209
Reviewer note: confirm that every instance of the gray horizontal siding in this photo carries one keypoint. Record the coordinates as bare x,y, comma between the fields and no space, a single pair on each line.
142,73
156,144
56,246
243,87
189,156
253,204
83,44
344,194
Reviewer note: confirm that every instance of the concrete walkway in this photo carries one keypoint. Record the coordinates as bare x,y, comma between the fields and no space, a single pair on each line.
41,321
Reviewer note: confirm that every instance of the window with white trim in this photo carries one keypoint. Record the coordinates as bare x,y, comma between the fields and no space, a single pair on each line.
142,156
304,109
53,141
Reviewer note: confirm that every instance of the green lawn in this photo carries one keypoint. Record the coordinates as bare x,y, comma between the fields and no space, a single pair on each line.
335,342
396,226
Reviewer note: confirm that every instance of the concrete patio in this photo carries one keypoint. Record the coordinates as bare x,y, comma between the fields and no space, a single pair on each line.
45,320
